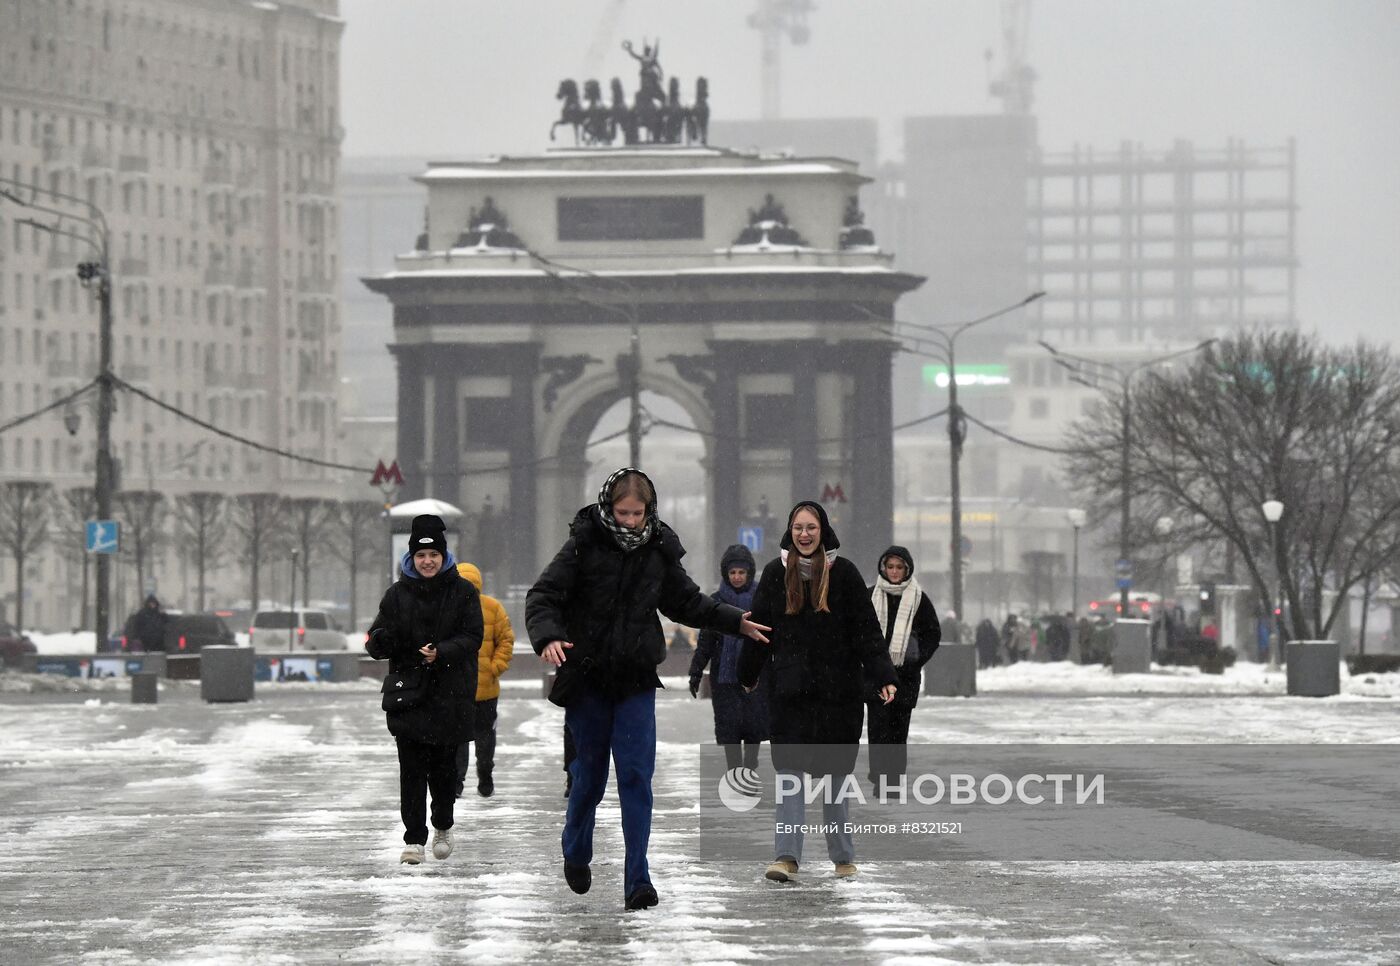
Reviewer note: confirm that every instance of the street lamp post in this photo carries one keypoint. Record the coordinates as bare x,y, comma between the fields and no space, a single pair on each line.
100,273
1077,518
1164,527
945,341
1123,376
1273,512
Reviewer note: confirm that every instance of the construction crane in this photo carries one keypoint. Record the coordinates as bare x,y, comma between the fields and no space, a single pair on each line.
1015,85
603,36
774,19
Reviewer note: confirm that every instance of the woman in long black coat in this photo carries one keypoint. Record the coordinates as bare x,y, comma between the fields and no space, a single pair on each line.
912,633
825,645
429,630
592,614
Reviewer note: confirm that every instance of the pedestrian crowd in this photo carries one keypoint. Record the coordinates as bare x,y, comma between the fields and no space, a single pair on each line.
800,652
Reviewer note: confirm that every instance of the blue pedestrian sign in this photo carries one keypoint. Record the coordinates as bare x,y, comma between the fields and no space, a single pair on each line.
1124,571
103,536
751,537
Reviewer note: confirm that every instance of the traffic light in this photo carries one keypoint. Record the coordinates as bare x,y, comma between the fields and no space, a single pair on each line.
1207,598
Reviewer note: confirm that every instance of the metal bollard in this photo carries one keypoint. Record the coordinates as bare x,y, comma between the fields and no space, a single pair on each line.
144,687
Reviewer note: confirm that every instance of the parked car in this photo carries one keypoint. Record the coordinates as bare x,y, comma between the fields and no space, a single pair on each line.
190,633
298,630
14,645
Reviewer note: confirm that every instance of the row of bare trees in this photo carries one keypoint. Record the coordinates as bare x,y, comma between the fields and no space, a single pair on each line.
1256,417
209,530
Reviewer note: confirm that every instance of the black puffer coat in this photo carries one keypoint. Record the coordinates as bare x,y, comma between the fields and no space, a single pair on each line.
444,610
604,602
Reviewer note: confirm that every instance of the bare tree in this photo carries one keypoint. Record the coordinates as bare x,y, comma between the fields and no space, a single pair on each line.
258,519
24,525
204,523
359,527
1265,416
308,517
142,516
79,505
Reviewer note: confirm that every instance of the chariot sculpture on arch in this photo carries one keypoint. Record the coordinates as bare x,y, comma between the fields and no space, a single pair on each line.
657,115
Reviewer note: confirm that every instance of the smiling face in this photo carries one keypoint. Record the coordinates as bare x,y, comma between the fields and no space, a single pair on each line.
630,512
738,577
427,562
806,531
894,569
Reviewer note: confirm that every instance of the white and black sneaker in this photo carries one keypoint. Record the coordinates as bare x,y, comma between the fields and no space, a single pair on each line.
411,855
442,843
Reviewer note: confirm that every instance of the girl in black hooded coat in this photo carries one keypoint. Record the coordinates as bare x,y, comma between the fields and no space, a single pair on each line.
825,646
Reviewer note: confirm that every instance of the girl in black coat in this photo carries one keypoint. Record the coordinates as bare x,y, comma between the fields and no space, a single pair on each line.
912,633
826,643
429,630
592,614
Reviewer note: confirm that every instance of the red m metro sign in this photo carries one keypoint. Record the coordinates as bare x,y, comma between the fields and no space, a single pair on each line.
385,476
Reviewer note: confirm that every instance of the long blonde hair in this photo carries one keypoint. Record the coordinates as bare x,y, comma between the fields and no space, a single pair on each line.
796,586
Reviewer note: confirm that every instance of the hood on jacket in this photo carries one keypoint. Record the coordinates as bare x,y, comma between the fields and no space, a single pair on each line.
470,572
829,540
736,555
406,565
900,552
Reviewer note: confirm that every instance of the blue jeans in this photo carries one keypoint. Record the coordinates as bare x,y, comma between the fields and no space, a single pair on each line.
627,728
792,809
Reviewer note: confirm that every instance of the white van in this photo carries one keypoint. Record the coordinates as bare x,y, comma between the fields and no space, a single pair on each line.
295,630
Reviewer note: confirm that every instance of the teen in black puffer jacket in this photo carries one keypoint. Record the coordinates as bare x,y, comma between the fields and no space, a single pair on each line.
429,629
592,614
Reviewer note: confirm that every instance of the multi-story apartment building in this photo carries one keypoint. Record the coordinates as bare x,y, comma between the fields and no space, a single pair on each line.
208,134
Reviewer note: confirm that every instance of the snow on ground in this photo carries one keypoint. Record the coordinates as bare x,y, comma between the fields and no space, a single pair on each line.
268,832
75,642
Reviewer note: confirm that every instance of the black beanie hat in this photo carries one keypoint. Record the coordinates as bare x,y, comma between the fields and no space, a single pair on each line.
428,533
903,554
829,540
736,555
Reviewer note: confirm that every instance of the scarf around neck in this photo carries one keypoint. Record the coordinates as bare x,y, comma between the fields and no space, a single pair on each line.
804,564
627,538
910,595
731,645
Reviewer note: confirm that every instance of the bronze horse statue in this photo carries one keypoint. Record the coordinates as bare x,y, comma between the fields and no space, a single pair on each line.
572,114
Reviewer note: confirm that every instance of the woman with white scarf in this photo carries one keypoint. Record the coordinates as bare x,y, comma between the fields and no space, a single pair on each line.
912,633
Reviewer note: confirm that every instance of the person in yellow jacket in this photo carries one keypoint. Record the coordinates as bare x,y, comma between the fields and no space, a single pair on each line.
497,643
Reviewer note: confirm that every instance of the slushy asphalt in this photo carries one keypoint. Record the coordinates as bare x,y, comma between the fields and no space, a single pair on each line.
268,832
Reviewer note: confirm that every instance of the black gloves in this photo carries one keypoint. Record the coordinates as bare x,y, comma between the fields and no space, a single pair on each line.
695,687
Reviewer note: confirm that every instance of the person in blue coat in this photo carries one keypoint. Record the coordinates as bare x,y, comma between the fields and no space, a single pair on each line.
741,719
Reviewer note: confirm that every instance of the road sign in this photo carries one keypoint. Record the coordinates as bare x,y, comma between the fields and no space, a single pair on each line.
1123,569
751,537
103,536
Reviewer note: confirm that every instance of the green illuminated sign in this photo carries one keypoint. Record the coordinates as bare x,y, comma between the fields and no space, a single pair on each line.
974,374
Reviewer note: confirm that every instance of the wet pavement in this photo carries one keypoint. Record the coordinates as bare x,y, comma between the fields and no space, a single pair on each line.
268,833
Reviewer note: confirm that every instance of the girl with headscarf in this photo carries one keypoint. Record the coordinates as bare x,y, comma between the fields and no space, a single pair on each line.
826,650
592,614
912,633
741,719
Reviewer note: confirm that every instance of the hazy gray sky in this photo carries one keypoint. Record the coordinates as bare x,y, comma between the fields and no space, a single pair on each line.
458,78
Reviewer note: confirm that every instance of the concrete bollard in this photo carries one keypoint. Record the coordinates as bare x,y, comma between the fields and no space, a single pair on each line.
952,671
226,673
1314,668
1132,647
144,687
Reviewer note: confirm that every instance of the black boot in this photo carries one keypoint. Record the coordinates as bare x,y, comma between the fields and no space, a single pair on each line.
580,878
485,787
642,897
751,755
733,757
